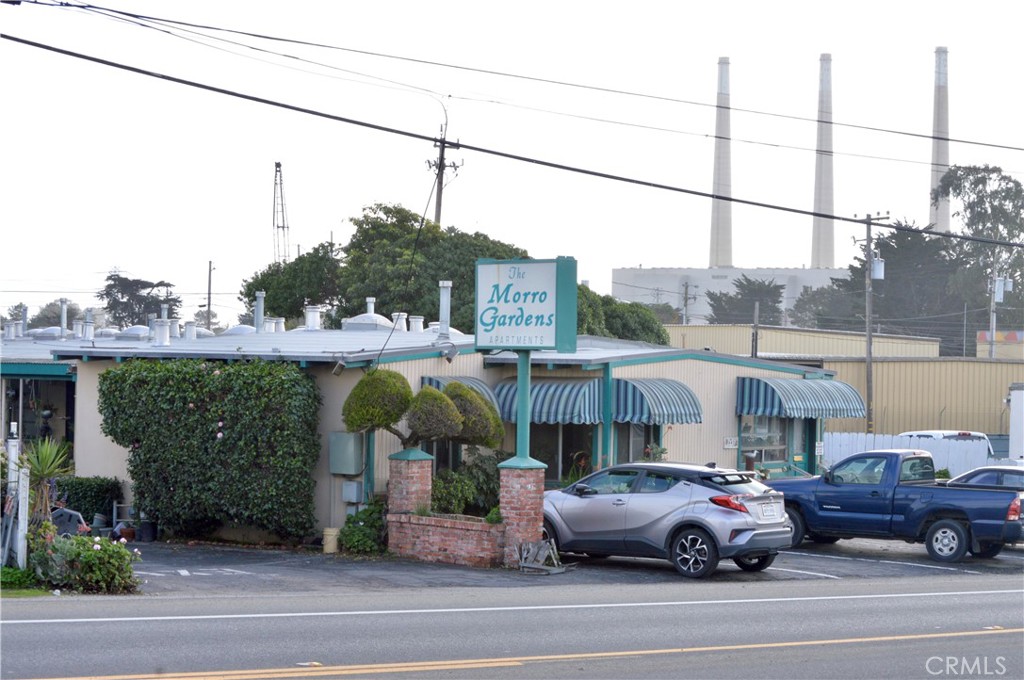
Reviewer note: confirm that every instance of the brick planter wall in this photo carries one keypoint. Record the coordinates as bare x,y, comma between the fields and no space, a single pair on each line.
522,508
469,542
410,484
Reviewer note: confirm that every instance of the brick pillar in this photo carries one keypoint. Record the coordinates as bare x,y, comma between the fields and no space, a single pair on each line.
522,508
410,483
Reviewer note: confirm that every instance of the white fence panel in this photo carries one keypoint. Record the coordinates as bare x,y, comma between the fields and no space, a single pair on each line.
956,456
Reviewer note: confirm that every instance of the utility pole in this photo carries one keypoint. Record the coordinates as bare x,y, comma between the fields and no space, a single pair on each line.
869,264
440,165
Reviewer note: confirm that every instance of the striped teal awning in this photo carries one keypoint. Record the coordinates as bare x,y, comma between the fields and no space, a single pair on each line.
568,401
795,398
439,382
654,401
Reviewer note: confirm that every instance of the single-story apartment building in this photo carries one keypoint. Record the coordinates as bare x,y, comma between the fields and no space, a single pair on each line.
607,401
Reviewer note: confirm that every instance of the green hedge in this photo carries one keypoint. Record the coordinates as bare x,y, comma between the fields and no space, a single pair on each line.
215,442
90,495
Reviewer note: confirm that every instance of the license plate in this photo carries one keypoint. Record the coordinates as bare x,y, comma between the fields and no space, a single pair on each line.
769,510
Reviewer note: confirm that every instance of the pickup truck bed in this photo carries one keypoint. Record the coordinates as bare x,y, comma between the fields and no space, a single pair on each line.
893,494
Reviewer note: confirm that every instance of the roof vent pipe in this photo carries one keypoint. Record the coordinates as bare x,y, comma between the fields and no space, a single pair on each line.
24,320
89,329
398,319
63,318
175,328
257,317
416,324
9,331
445,316
76,327
163,333
163,310
313,317
279,324
369,304
190,330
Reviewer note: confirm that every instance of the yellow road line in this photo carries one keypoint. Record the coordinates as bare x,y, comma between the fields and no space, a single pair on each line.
463,664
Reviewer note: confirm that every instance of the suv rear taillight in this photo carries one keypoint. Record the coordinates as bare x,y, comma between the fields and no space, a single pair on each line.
1012,515
732,502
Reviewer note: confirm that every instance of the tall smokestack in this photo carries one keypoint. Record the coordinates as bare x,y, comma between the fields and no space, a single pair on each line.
823,229
721,211
938,215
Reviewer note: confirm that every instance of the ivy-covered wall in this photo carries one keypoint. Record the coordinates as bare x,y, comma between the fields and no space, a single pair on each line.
214,442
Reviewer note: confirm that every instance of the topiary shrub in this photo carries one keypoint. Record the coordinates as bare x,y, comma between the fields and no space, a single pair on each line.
379,400
212,442
481,423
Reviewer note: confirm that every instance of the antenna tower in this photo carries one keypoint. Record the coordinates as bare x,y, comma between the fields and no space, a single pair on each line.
280,218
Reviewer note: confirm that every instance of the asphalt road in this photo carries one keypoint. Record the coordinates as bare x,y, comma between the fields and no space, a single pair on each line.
857,609
175,569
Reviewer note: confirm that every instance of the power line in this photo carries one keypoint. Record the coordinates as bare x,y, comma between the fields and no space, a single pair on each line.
493,152
536,79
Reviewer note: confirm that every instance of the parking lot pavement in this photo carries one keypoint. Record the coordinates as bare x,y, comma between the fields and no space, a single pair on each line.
178,569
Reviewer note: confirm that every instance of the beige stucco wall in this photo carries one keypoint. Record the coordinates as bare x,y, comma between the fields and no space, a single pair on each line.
95,454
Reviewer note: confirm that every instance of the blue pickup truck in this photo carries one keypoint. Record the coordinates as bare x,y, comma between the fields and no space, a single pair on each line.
892,494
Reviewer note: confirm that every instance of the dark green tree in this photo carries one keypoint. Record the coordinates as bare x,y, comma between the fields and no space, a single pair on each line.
738,307
827,307
385,260
991,205
925,292
131,301
313,278
49,315
666,313
590,313
633,321
453,258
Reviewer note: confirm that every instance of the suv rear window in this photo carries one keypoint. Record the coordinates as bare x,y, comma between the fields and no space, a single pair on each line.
737,483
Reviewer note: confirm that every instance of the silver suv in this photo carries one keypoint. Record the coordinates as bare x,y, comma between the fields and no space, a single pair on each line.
691,515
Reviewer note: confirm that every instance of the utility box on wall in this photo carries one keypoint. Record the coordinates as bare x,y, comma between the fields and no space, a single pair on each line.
352,492
346,453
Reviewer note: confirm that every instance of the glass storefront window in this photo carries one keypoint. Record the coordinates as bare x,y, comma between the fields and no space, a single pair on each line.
764,440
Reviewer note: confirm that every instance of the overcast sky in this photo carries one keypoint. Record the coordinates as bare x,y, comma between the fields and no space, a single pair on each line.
104,168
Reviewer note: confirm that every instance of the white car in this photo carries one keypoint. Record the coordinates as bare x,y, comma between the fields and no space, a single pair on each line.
957,435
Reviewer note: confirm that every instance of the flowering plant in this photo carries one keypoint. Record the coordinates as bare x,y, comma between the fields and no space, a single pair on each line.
83,563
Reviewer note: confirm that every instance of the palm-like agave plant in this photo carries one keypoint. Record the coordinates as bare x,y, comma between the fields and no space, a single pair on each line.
45,460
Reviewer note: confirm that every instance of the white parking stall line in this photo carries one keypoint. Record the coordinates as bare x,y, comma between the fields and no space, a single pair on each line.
929,566
876,561
182,572
808,573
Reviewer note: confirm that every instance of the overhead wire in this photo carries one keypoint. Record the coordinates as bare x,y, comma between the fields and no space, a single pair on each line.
161,24
494,152
548,81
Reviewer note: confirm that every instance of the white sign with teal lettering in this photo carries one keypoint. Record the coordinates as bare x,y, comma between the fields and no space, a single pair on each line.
526,304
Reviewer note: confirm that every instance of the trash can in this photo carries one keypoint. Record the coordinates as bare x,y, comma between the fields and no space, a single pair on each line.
331,539
147,531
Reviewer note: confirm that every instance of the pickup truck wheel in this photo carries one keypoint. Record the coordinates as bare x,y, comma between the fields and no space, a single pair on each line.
754,563
694,553
946,541
829,540
988,551
799,526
